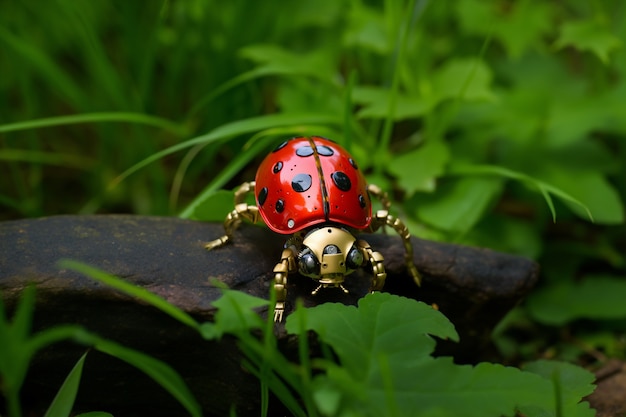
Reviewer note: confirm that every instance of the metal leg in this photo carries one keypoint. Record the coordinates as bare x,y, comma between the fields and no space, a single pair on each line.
235,217
375,259
282,269
383,218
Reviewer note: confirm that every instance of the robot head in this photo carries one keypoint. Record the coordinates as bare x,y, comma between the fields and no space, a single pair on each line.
329,253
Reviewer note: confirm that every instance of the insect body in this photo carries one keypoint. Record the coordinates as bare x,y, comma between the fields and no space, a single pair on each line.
312,190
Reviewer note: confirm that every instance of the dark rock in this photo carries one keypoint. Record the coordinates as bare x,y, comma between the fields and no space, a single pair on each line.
473,287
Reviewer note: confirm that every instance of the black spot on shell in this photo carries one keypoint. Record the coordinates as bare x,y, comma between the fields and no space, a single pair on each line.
280,206
277,167
324,150
362,202
262,196
305,150
301,182
279,147
354,165
341,180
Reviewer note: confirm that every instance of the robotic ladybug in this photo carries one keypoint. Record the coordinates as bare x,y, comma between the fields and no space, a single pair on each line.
312,190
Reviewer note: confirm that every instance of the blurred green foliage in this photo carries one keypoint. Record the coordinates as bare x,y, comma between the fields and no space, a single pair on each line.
495,123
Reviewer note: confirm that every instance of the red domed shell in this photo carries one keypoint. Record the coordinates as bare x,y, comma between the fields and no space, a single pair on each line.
307,181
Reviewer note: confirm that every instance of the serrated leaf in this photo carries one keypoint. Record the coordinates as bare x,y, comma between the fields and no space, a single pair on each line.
570,383
589,35
597,297
358,335
417,170
386,367
236,313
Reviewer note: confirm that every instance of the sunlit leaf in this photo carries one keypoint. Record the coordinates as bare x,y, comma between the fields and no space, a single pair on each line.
589,35
465,79
459,204
418,169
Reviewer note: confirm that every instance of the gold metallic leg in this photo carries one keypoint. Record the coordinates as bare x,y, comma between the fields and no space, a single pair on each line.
375,260
235,217
376,191
384,218
281,271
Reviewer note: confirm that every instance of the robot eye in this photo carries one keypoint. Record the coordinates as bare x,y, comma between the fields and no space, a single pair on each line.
355,258
308,263
331,250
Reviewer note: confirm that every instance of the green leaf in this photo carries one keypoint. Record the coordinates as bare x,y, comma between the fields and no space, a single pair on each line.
418,169
518,26
119,117
384,349
358,335
459,204
274,59
544,188
570,383
366,29
230,130
589,35
594,192
596,297
130,289
95,414
465,79
63,401
236,314
375,102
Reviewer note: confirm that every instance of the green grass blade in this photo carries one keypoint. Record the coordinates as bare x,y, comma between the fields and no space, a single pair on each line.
544,188
230,130
159,371
23,316
63,401
46,158
44,65
130,289
257,144
119,117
